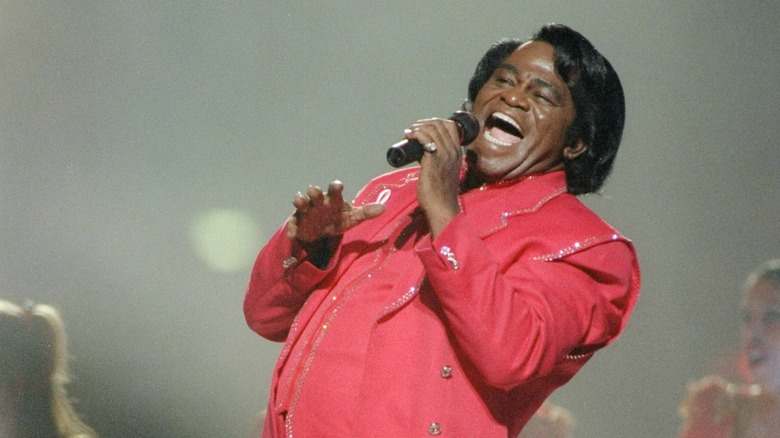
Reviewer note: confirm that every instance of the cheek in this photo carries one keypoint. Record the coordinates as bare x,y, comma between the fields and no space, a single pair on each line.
485,94
552,122
772,335
744,334
551,133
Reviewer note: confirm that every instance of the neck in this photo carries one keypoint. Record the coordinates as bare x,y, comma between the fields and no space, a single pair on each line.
472,180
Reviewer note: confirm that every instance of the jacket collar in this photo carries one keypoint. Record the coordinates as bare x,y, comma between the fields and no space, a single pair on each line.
491,204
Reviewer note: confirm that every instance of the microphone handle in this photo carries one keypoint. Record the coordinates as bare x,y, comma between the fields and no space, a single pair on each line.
404,152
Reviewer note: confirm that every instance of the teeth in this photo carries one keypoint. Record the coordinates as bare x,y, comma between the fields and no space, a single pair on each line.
500,137
494,140
507,119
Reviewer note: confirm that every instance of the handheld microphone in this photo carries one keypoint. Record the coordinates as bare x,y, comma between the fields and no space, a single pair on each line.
409,151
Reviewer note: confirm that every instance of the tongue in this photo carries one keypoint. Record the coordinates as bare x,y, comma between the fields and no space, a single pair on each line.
502,135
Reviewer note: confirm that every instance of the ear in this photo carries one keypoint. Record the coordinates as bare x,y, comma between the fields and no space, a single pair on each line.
575,150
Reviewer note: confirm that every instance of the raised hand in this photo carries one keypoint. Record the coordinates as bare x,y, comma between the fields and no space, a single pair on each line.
319,214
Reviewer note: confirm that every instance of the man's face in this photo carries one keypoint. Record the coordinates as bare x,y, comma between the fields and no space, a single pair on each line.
525,109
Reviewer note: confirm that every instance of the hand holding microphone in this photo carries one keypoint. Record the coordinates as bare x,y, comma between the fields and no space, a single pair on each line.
409,151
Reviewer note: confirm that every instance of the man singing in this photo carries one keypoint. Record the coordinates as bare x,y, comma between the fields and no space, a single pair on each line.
453,298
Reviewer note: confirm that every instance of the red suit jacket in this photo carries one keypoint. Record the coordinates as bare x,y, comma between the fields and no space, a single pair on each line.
525,284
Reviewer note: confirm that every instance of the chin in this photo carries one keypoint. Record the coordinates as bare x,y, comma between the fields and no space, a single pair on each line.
769,381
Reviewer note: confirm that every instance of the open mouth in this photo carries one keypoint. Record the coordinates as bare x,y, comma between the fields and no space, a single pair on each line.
502,130
755,357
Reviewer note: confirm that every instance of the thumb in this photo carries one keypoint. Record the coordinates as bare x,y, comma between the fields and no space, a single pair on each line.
368,211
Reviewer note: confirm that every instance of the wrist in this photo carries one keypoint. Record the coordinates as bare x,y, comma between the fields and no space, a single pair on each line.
319,252
439,218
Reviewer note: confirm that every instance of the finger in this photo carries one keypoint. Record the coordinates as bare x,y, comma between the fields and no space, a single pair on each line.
451,128
420,134
442,133
301,203
370,211
445,133
292,227
315,196
335,193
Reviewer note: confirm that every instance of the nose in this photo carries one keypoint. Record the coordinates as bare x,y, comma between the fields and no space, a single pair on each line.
753,329
515,98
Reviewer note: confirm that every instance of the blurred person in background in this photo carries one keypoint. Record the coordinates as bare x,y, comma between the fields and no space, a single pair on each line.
721,407
549,421
33,375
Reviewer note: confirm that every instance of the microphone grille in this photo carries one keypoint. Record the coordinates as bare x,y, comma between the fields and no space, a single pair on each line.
468,126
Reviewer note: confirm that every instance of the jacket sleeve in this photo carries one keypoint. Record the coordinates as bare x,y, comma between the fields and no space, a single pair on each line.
517,319
280,283
282,278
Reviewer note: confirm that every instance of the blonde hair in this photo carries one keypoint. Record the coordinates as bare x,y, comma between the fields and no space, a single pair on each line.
769,270
34,361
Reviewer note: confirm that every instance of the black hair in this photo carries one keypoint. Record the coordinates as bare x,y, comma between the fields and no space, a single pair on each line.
596,92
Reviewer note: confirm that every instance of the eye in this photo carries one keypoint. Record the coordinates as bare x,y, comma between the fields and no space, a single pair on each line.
543,98
771,316
503,79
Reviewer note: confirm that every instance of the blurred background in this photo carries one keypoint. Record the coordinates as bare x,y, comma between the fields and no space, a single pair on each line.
149,148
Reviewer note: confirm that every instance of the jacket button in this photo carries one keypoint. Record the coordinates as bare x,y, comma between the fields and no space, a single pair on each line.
434,429
446,371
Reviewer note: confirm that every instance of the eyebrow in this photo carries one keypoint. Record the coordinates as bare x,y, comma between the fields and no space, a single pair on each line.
536,80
